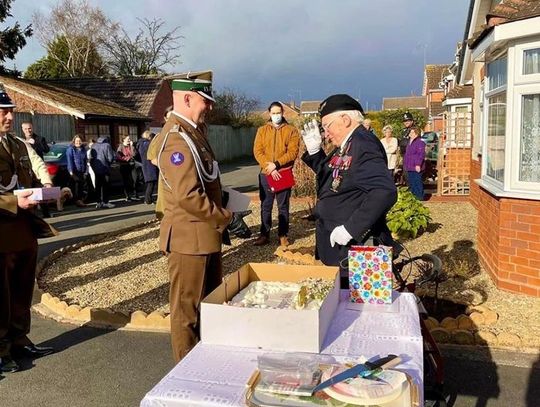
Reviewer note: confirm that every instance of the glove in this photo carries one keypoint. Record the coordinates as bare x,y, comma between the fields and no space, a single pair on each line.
238,226
340,236
312,137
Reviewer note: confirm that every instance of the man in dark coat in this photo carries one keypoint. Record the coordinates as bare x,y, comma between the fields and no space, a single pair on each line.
19,230
354,188
101,157
150,171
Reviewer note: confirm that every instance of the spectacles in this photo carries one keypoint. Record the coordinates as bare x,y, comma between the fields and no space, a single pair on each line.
327,125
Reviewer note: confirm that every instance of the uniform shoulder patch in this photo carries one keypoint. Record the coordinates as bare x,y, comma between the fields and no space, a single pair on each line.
177,158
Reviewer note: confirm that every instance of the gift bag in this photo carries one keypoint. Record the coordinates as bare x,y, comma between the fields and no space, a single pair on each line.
370,274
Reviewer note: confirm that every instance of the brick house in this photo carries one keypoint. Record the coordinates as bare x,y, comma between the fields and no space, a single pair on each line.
407,102
75,112
433,91
310,107
502,62
147,95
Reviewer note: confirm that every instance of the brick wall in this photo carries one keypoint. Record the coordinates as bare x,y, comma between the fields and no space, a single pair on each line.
27,104
509,241
476,173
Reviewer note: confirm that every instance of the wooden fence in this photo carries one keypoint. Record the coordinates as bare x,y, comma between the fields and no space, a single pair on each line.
54,127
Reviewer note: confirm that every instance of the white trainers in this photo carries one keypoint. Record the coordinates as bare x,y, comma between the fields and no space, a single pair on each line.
108,205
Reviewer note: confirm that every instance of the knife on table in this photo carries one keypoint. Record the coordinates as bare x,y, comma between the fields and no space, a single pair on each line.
362,370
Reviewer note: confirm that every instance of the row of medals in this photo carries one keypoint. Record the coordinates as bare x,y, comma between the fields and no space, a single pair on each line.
341,161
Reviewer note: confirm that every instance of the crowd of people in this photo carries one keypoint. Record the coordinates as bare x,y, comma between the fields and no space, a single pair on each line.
355,190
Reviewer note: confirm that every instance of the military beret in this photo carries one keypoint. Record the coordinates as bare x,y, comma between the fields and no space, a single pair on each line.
407,116
336,103
200,82
5,100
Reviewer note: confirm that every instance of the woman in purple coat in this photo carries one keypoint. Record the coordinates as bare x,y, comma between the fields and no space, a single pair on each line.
413,163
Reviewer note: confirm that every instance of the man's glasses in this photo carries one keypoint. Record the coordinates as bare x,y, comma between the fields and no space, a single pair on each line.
326,126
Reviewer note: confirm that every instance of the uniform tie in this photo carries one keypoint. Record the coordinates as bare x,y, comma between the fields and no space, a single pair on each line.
5,144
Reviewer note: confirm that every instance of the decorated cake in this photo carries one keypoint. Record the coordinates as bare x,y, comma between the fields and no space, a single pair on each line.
306,294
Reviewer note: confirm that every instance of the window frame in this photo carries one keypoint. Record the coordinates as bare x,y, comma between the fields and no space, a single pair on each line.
517,86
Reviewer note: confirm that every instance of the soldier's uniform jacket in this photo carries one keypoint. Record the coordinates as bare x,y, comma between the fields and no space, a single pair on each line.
19,228
362,199
194,218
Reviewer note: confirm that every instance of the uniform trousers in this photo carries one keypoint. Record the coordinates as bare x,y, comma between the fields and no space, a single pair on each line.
192,278
267,202
17,275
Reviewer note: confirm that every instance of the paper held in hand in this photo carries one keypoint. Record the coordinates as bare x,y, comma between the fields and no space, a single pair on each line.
40,194
238,201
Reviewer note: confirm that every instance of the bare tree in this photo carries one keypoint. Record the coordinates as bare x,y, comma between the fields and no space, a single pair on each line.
146,53
233,107
83,27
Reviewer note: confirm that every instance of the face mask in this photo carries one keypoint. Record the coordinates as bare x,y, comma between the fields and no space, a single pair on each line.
276,118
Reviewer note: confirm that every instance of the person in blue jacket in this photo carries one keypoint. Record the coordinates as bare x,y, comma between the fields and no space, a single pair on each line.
77,165
354,188
150,171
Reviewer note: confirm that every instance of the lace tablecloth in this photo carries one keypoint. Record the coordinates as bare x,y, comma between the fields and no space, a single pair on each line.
213,375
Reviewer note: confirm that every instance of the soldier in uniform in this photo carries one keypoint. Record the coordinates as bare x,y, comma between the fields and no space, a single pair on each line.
19,230
354,187
194,218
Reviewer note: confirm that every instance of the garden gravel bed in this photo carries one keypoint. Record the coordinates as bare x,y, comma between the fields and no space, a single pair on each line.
128,273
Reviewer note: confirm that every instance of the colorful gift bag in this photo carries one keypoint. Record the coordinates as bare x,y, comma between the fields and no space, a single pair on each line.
370,274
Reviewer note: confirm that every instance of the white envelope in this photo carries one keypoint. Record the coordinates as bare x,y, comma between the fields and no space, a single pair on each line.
237,201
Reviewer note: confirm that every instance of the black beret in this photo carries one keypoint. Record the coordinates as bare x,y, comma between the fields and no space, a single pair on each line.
407,116
336,103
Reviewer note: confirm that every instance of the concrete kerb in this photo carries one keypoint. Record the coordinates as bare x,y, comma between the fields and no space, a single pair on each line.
54,308
469,329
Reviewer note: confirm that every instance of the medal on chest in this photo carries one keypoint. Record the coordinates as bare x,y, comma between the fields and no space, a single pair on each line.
340,161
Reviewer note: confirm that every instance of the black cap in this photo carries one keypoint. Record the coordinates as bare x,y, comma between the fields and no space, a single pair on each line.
336,103
407,116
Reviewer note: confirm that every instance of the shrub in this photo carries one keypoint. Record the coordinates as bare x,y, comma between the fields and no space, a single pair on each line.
408,216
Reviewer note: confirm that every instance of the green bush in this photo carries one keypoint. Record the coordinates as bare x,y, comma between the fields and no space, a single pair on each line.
408,216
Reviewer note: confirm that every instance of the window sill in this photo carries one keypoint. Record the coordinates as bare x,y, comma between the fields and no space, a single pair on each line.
498,192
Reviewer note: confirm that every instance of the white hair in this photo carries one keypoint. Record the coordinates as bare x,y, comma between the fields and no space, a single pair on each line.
355,115
387,127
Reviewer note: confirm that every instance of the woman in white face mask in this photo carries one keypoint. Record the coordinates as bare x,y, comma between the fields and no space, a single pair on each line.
275,148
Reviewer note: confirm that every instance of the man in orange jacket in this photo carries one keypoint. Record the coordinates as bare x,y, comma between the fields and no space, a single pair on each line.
276,146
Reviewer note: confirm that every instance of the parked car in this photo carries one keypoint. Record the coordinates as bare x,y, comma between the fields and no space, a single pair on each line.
431,139
56,162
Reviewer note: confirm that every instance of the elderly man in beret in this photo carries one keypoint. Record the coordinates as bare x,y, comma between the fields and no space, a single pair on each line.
354,188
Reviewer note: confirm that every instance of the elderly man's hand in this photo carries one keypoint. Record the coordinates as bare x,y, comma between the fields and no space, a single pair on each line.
24,201
340,236
312,137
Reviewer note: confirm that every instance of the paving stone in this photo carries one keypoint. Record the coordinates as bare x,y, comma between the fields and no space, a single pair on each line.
477,318
509,339
440,335
431,323
485,338
449,323
462,337
464,322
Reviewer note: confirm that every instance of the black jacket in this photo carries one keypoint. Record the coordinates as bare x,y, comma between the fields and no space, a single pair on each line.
365,195
40,145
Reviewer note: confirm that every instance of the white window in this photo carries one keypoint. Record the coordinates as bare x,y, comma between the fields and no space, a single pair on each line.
529,160
511,122
495,105
531,61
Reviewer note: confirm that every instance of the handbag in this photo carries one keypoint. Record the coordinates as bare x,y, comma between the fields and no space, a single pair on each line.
285,182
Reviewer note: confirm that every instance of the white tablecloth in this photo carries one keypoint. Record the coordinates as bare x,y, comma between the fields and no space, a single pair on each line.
213,375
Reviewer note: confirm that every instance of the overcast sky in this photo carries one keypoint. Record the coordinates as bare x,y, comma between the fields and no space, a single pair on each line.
295,49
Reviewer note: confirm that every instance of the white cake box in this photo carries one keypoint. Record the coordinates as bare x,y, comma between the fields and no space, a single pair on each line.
275,329
40,194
